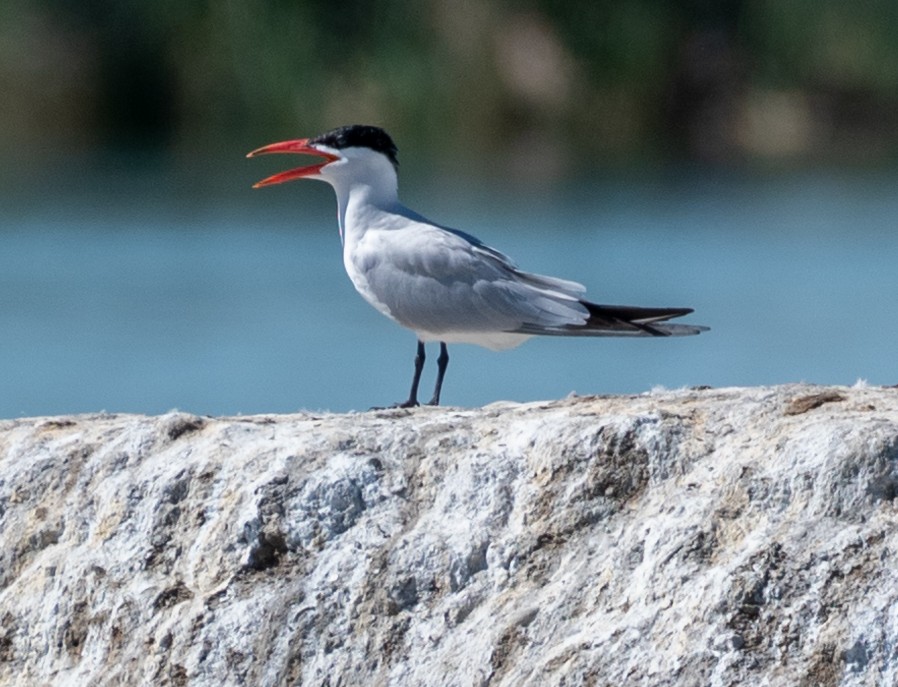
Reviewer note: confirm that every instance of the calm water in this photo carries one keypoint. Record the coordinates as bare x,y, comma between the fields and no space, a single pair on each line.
144,293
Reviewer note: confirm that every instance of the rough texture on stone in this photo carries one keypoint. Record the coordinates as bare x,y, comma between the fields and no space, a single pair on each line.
707,537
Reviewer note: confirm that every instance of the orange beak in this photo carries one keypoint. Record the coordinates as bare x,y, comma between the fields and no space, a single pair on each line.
301,147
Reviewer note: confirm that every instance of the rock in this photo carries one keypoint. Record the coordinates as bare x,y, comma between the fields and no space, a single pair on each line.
696,537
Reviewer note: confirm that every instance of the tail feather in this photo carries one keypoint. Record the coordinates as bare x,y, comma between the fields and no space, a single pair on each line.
623,320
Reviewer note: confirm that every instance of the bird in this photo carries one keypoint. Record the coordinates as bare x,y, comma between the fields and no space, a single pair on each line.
443,284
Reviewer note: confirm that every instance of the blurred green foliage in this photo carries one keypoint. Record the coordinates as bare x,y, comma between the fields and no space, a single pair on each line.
609,79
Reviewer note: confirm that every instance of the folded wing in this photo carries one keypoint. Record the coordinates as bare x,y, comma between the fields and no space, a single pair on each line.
442,281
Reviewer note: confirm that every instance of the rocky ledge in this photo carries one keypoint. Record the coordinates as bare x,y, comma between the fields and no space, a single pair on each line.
698,537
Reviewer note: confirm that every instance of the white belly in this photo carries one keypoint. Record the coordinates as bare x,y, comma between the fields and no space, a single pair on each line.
495,341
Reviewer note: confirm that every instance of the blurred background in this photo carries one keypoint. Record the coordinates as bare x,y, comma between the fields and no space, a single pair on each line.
734,156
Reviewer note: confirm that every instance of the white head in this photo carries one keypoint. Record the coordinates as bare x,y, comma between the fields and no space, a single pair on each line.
353,155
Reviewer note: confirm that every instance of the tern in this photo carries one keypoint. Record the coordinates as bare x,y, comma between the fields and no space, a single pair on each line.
445,285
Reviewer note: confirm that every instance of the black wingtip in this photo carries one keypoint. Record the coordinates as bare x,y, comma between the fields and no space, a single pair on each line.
601,316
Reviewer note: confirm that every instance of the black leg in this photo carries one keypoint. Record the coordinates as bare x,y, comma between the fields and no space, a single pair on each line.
419,365
442,364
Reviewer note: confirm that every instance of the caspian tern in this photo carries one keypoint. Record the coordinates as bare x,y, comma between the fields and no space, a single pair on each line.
443,284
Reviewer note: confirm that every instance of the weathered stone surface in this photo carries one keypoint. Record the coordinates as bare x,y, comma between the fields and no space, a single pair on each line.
710,537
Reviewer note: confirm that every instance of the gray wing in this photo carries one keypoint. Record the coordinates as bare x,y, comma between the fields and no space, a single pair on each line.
434,280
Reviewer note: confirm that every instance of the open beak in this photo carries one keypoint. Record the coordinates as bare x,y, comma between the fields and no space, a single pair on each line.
301,147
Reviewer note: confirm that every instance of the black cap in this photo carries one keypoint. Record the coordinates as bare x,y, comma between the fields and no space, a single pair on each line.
360,136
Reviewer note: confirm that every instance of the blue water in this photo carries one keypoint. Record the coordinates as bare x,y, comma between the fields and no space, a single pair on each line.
144,295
